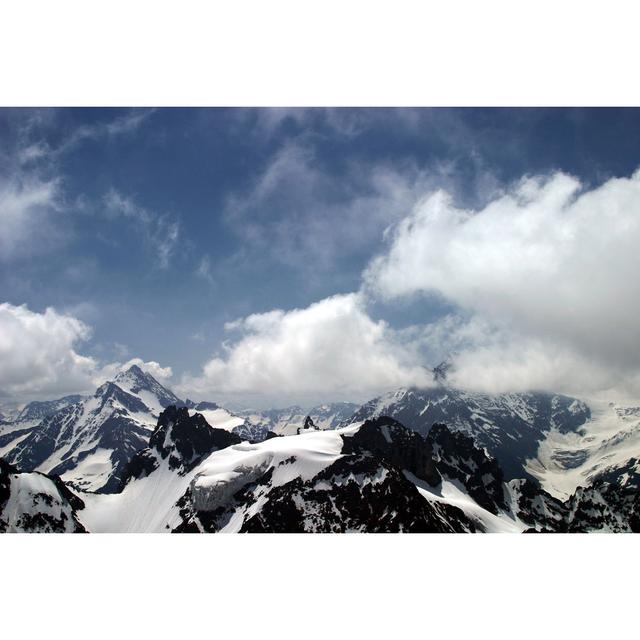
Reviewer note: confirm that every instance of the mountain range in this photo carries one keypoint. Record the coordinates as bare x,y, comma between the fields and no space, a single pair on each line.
135,457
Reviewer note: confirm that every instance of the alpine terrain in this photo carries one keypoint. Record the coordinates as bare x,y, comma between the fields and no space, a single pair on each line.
133,457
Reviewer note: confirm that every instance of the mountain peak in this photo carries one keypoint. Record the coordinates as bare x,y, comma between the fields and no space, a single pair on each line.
134,372
186,439
440,372
134,368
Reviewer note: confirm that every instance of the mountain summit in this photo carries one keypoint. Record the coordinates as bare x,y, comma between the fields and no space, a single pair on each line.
90,440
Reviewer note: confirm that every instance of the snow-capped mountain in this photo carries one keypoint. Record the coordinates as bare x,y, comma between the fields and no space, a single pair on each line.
510,426
38,410
372,476
134,457
89,442
288,421
18,423
35,502
607,446
317,481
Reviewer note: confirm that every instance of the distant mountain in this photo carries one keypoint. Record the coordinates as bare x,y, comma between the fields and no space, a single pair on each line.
510,426
288,421
38,410
18,423
607,446
88,440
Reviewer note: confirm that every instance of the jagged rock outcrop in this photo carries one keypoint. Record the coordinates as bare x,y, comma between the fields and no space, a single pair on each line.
389,440
363,489
457,456
181,439
186,439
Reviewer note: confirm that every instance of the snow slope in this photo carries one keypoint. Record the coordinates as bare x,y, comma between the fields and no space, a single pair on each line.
509,426
287,421
566,461
332,480
150,504
219,418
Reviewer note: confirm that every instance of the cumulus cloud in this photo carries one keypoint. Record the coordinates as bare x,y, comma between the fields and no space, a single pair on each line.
330,349
547,270
40,356
38,352
109,371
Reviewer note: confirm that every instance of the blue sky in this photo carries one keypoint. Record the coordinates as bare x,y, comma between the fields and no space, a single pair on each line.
156,227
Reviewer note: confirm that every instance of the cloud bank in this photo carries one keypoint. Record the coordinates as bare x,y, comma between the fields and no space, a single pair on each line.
546,273
332,348
40,358
38,352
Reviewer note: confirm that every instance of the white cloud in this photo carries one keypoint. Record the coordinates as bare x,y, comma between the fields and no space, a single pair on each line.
40,358
31,206
204,270
330,349
121,125
109,371
38,352
548,270
301,215
27,209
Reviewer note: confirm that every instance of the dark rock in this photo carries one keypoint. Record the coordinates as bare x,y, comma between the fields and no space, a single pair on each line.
388,439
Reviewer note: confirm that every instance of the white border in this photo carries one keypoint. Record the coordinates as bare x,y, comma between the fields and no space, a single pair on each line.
334,52
73,52
296,586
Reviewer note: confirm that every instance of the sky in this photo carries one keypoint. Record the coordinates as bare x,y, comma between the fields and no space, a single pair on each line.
272,256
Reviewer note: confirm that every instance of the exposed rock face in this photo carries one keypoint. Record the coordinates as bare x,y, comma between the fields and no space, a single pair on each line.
457,457
364,489
359,492
536,508
182,439
252,432
308,425
610,503
405,449
509,426
187,439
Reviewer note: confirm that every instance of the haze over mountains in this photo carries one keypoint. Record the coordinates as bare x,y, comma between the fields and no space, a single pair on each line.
135,457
